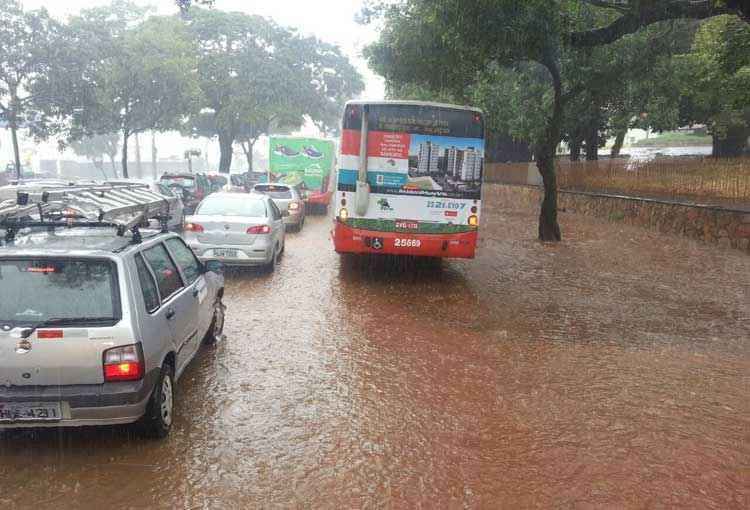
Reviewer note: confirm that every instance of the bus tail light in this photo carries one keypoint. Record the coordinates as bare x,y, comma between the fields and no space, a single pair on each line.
259,229
343,214
123,364
474,220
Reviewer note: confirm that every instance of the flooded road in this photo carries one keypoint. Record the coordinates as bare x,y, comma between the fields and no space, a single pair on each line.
610,371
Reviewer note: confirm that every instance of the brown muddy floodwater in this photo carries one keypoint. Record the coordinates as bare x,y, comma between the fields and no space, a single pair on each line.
611,371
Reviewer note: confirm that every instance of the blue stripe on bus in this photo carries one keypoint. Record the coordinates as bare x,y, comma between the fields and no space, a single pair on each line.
387,179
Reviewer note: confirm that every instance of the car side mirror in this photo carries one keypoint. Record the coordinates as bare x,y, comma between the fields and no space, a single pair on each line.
214,266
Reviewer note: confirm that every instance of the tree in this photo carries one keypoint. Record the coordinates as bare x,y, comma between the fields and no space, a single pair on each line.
184,5
451,45
95,148
136,76
716,83
27,49
255,74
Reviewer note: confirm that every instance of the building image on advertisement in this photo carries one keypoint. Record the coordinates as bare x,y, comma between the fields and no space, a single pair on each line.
471,165
429,157
464,165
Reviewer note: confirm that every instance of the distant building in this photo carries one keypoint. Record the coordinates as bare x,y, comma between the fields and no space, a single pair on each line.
429,158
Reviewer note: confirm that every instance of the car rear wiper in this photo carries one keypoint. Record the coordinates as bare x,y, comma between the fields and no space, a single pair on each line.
64,321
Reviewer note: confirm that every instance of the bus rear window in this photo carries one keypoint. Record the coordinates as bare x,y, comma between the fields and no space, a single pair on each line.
37,290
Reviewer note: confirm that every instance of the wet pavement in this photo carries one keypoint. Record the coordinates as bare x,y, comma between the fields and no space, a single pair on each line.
611,371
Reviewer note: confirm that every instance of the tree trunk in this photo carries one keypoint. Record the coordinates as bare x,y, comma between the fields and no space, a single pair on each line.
549,229
154,154
592,143
575,149
247,148
138,164
731,146
114,166
226,142
619,141
16,151
125,155
99,165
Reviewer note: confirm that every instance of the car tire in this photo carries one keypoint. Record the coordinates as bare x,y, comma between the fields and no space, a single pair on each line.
157,422
216,330
271,266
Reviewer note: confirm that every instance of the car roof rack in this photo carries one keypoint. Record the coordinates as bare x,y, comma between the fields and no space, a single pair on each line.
125,207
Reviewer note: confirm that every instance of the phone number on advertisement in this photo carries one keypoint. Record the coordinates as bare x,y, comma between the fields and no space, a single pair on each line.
455,206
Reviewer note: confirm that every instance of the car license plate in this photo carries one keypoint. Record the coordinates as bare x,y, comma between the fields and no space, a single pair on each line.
11,412
225,253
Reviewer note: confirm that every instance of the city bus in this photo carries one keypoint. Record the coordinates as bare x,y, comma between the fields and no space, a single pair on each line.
409,179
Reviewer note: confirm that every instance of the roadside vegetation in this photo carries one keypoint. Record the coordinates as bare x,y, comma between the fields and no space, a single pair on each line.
109,74
722,181
578,71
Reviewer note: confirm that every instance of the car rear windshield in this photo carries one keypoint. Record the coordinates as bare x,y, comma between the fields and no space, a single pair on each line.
280,192
34,290
241,205
183,182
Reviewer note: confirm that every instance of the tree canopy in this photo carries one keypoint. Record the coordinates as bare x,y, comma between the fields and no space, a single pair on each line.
28,48
534,65
255,75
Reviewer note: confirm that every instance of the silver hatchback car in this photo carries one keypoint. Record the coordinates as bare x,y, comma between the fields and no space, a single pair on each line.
239,229
96,329
287,199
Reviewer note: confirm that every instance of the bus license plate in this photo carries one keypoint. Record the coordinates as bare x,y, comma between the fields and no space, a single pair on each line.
11,412
408,243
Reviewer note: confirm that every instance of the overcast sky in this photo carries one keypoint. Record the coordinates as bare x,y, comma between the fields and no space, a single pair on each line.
329,20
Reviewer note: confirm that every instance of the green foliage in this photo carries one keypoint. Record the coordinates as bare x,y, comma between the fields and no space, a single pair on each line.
126,74
257,76
27,50
716,77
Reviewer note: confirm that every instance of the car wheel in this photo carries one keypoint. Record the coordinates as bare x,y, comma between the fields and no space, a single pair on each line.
271,266
157,422
216,330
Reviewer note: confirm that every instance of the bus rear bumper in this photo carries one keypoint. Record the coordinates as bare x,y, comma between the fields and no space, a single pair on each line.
352,240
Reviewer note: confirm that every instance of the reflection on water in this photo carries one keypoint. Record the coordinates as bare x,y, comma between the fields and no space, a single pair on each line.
609,371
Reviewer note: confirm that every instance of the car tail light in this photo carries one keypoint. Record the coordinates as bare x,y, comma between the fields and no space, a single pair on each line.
259,229
293,206
193,227
123,364
49,334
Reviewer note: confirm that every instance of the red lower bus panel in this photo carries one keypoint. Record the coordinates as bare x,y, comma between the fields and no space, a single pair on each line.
351,240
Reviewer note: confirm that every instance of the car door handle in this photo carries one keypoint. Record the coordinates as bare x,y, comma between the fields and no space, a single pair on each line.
170,314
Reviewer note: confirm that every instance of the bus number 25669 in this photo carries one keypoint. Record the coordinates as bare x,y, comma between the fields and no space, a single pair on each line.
408,243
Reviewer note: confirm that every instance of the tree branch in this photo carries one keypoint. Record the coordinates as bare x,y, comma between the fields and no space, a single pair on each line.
638,16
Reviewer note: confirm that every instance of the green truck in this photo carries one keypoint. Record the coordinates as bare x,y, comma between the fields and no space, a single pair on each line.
307,163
